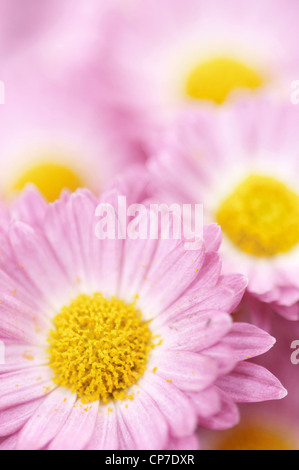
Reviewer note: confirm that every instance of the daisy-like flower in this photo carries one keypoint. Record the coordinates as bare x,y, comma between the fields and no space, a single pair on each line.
61,143
269,426
172,54
118,344
241,162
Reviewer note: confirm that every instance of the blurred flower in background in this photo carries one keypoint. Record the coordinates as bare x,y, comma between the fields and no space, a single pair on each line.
166,55
268,426
182,102
242,163
52,134
231,161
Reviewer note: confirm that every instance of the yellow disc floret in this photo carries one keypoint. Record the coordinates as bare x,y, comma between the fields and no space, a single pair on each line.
99,347
261,217
215,79
50,179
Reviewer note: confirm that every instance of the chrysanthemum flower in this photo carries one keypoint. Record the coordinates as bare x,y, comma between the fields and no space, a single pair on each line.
118,344
170,54
241,162
272,425
52,136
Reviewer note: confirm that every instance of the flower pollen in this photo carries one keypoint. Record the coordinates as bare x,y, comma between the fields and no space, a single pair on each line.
261,217
215,79
50,178
99,348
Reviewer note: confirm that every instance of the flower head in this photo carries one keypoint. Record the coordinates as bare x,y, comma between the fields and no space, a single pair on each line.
271,425
166,56
118,344
61,141
241,162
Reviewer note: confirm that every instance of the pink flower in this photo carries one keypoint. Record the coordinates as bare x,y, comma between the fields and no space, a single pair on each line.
272,425
65,137
52,136
241,162
167,55
118,344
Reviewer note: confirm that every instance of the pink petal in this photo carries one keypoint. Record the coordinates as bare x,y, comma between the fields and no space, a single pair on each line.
80,214
47,421
13,281
210,271
191,301
10,443
20,356
41,266
105,435
13,419
212,237
226,418
24,386
188,371
225,296
108,254
174,404
162,288
78,429
290,313
207,402
250,383
12,272
145,422
19,322
59,238
138,256
126,440
223,356
30,207
248,341
196,333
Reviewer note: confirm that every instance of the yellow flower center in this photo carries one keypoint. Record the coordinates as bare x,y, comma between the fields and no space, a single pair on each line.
99,347
216,78
261,217
50,179
255,437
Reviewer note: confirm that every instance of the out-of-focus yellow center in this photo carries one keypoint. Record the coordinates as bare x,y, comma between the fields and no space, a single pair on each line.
50,179
99,347
216,78
261,217
254,437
